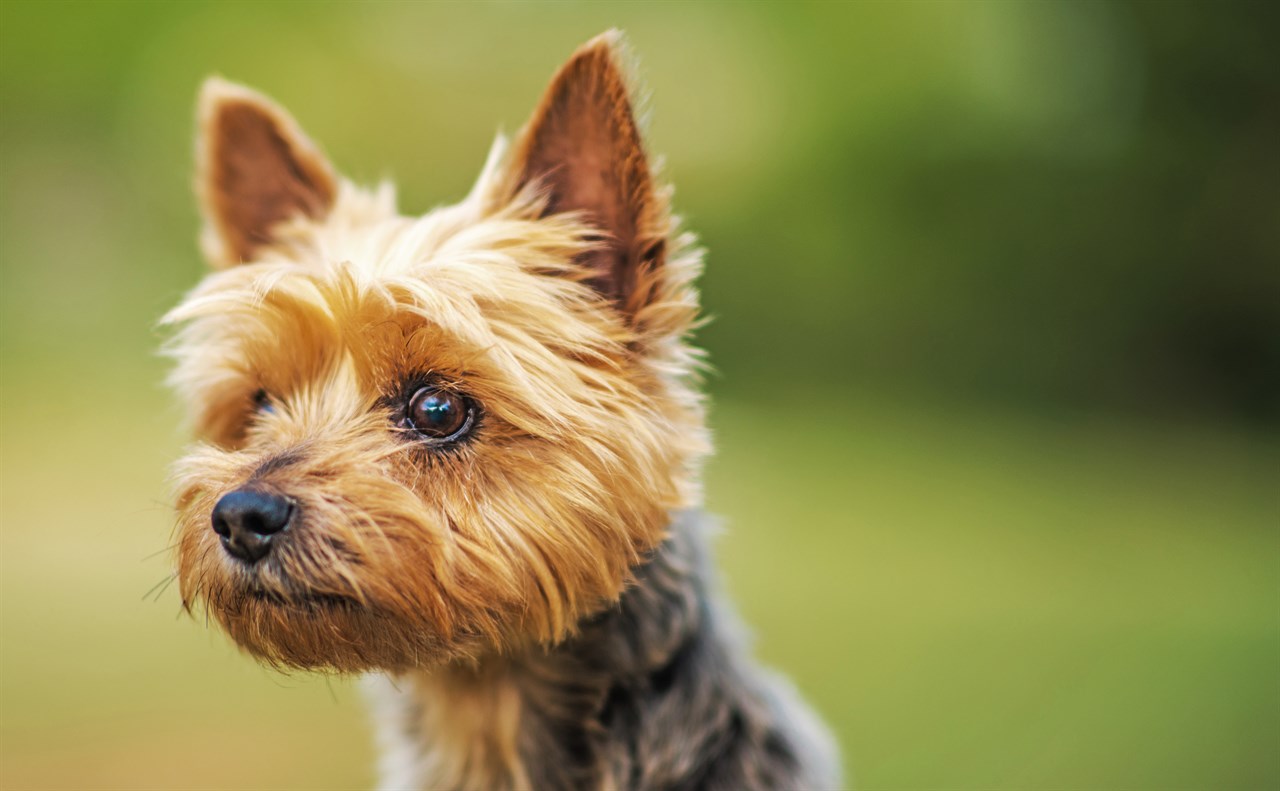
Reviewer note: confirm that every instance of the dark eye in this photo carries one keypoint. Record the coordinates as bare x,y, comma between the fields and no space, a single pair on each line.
262,402
439,415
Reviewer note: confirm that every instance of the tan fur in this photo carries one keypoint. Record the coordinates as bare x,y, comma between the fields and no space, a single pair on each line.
591,428
473,726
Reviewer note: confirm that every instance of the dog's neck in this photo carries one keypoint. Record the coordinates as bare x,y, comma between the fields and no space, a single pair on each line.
554,718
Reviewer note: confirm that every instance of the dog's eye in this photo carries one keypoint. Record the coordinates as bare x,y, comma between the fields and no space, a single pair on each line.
262,402
439,415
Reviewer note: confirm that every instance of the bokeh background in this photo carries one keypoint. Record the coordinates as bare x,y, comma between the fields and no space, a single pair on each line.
996,292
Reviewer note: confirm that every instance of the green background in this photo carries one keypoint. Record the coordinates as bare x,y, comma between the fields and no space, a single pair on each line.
995,291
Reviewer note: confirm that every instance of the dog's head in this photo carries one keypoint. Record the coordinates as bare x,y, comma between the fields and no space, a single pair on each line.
426,438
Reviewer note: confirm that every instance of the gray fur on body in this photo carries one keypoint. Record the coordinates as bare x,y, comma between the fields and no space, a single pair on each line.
656,692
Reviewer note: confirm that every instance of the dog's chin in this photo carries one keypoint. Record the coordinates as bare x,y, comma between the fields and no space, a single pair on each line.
326,632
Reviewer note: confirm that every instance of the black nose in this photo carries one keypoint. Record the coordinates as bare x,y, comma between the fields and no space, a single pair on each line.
247,519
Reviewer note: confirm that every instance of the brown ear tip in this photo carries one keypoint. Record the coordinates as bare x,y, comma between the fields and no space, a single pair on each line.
215,91
607,49
219,96
611,39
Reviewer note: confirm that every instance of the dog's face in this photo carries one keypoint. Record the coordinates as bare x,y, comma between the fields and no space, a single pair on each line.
435,437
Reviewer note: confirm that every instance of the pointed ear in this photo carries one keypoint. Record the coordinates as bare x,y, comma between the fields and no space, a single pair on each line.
583,149
254,169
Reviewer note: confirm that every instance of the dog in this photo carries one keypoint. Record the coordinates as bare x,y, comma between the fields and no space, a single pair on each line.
460,453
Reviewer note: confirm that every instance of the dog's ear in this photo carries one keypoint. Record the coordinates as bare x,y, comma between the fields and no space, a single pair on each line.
583,148
254,169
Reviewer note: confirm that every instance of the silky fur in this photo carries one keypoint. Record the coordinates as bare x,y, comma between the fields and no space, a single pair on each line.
557,299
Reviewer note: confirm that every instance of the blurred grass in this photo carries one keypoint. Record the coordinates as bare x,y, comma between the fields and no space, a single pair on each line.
982,601
995,286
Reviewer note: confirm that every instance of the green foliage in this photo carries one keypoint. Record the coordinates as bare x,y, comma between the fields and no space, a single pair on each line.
1048,204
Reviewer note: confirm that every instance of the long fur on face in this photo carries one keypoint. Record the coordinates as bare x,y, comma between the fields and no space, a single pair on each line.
297,361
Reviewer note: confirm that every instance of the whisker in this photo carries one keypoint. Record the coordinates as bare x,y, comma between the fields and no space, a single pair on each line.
161,585
165,587
169,548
